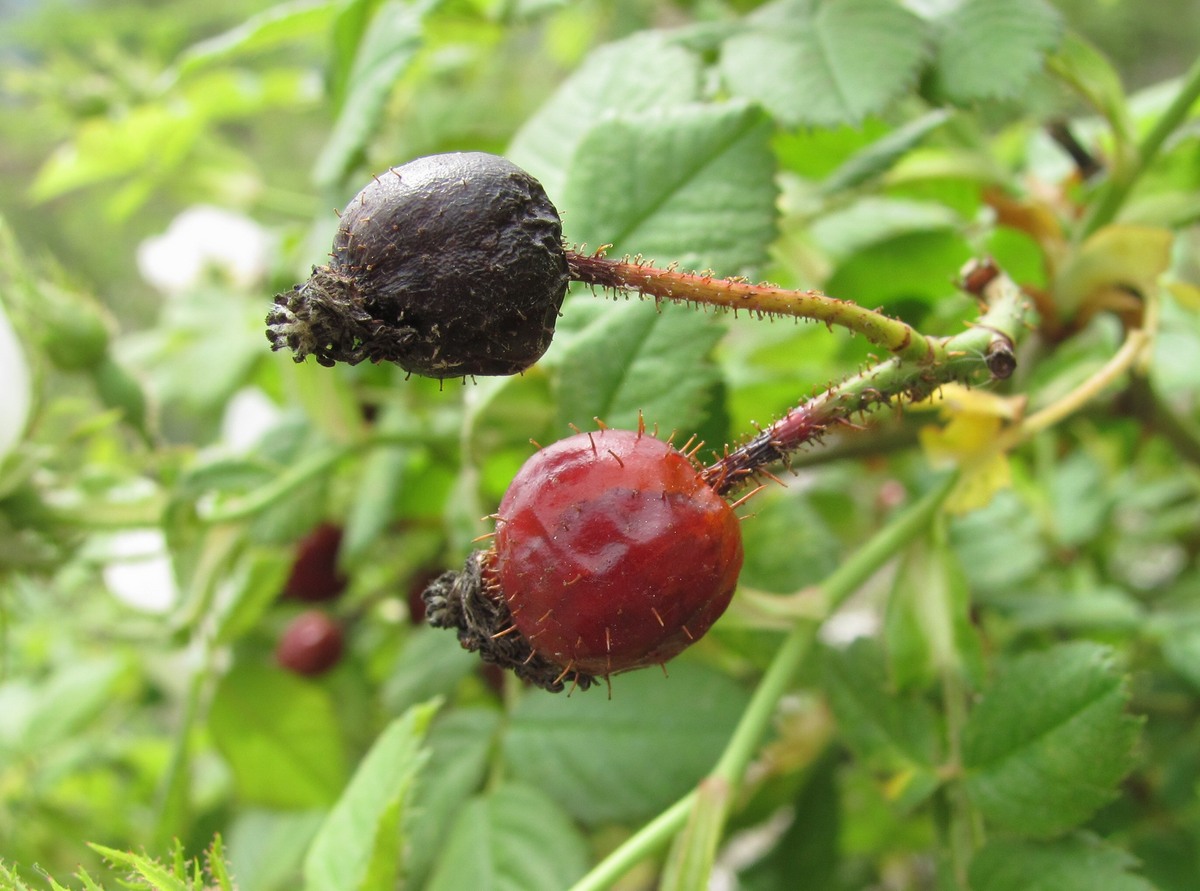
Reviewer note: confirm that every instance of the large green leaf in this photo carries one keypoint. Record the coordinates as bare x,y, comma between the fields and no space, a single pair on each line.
281,738
624,758
824,63
360,847
641,73
989,49
1079,863
1047,745
512,839
693,184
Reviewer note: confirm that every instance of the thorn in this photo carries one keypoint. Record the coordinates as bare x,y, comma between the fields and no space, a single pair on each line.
600,424
507,631
618,457
661,623
746,497
566,671
537,445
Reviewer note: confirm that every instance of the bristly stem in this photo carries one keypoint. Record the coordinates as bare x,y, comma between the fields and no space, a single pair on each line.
633,275
981,353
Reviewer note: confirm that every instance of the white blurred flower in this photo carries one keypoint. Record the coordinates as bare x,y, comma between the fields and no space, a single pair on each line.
138,571
248,416
16,393
200,239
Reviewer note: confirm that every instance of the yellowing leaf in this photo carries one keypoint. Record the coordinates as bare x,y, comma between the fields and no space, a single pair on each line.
971,440
1119,257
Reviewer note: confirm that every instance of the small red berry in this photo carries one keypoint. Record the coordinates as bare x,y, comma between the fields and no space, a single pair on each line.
315,576
311,644
612,553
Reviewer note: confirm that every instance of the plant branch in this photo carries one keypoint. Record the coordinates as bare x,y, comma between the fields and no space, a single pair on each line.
756,719
891,334
982,353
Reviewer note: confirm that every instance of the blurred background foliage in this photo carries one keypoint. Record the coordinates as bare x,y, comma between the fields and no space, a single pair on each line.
167,166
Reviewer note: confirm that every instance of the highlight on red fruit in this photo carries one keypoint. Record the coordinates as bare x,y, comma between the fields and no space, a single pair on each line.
611,553
315,576
311,644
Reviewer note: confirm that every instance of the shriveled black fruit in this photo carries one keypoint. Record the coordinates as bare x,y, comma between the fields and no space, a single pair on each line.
450,265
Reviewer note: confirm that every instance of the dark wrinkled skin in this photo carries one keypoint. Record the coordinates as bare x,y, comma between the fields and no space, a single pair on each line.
451,265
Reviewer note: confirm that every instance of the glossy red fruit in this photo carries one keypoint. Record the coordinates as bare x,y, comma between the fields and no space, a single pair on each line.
612,553
311,644
315,576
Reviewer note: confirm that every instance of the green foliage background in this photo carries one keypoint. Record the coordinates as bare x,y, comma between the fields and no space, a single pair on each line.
1020,712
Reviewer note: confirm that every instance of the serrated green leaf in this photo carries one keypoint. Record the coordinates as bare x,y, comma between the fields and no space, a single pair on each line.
1048,743
512,839
693,184
387,49
624,759
280,735
878,157
892,733
637,359
989,49
643,72
825,63
1078,863
460,745
156,875
360,847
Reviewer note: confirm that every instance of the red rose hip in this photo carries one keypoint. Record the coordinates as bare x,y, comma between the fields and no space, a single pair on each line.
612,553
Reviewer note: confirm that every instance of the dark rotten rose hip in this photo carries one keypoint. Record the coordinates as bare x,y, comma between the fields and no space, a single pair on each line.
450,265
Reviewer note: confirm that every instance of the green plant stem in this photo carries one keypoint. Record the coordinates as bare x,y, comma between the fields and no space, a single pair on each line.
309,468
891,334
1116,192
982,353
756,719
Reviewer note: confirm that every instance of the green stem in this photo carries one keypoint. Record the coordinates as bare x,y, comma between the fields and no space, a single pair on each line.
981,353
1115,194
756,719
891,334
311,467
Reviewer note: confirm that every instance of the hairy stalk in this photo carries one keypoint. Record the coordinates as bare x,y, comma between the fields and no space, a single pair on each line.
756,719
633,275
983,352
